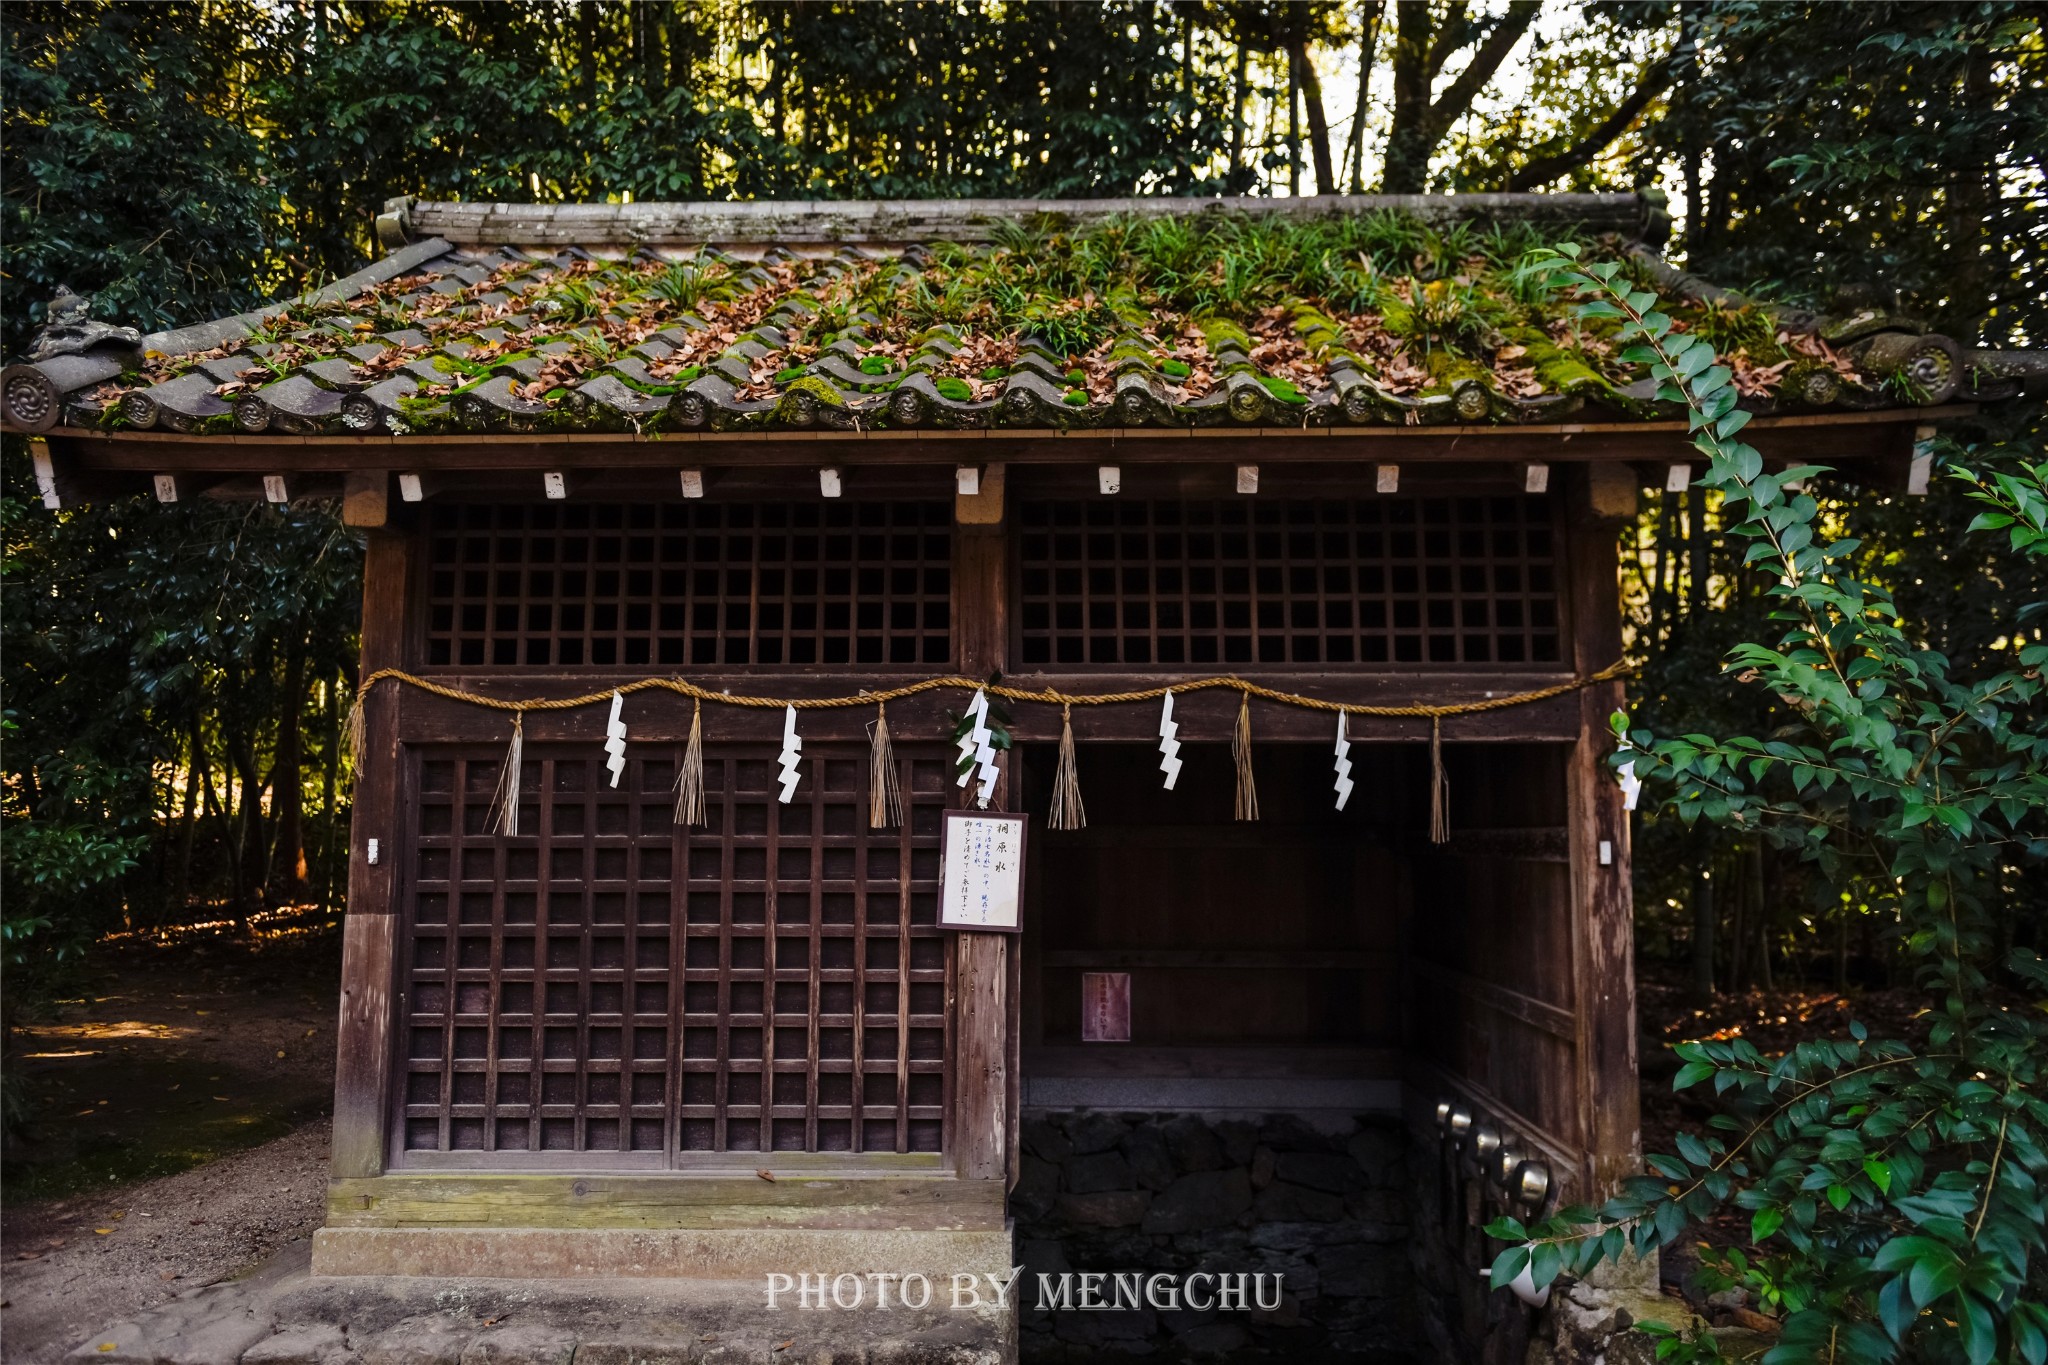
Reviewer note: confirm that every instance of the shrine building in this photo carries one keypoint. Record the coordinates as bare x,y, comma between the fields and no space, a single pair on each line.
1260,555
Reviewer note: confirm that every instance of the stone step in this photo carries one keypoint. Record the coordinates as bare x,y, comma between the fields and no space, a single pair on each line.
288,1316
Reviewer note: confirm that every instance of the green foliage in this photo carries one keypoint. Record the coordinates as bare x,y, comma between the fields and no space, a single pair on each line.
154,652
1891,1183
98,95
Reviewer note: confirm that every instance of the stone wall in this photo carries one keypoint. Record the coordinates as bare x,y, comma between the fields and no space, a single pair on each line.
1329,1211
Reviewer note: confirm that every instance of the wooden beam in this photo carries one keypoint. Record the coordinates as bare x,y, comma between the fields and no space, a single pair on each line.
369,963
366,498
984,506
1834,438
985,997
1603,939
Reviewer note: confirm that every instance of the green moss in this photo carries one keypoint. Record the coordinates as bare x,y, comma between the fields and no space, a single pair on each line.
1282,389
1219,332
956,389
1451,370
688,373
875,364
1174,369
995,372
826,396
786,374
1077,377
1077,398
1557,369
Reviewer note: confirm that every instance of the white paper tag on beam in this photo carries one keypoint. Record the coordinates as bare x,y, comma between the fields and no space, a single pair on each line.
978,751
792,755
1169,746
615,739
1344,782
1631,785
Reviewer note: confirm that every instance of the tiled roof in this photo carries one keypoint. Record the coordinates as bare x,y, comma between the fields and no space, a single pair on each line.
1119,316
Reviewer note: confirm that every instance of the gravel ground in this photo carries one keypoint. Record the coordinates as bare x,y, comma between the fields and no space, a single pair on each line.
99,1258
179,1131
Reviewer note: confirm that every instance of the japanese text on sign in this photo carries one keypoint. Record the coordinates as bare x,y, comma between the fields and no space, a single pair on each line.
984,872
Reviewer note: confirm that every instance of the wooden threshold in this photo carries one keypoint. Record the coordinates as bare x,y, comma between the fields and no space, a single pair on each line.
844,1198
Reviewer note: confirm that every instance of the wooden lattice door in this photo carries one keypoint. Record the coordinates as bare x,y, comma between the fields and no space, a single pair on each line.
608,989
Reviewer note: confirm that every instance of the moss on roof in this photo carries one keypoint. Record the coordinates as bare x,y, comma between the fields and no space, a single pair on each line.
1375,317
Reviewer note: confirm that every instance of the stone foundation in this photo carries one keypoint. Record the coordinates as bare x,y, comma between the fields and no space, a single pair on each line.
1326,1210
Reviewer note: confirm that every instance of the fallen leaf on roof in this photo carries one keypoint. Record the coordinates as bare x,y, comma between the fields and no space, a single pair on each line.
768,1176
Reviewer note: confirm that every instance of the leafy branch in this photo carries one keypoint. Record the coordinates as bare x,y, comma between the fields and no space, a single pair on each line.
1892,1185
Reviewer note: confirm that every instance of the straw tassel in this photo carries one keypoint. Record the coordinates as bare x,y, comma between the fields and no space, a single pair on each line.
1241,750
1067,812
504,812
690,781
1439,785
885,786
352,729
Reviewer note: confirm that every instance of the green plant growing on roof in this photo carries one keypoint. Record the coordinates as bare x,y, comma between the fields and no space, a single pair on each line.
957,389
1731,327
685,284
572,301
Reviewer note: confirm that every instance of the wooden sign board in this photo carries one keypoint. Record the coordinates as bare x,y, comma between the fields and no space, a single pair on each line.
984,872
1105,1007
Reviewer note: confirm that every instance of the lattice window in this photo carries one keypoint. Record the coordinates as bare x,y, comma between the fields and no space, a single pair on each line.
539,1007
553,1005
814,972
570,585
1381,580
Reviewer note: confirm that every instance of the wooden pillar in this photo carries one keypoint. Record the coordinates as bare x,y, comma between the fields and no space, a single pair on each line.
362,1075
1603,928
985,1034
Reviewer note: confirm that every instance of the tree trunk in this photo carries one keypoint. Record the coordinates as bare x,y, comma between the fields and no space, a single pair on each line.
287,781
1293,124
1703,923
1318,118
1368,48
188,822
1237,119
1700,545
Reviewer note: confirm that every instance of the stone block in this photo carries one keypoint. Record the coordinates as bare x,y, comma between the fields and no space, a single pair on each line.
1385,1210
435,1341
1281,1202
1262,1168
1098,1172
520,1345
1360,1270
320,1343
1381,1152
1108,1209
1317,1170
1092,1131
1152,1163
1192,1144
1291,1133
1121,1329
637,1352
1040,1256
1203,1200
1214,1339
1044,1140
1238,1138
1037,1190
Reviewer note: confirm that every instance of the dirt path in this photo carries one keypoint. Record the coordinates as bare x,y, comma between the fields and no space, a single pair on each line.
102,1257
178,1132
